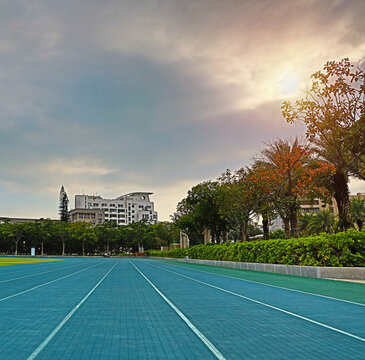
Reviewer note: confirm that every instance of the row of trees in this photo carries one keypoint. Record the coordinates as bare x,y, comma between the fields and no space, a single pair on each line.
286,171
59,237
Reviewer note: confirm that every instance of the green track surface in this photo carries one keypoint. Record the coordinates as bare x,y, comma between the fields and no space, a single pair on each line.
333,288
22,261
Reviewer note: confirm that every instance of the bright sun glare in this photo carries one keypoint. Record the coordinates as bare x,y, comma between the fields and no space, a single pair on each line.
288,83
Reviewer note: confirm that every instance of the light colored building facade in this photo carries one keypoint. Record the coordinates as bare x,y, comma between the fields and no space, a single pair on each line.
92,216
317,205
276,224
125,209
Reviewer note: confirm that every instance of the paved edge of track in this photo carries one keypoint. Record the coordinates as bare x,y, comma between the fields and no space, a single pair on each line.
66,318
172,263
265,304
197,332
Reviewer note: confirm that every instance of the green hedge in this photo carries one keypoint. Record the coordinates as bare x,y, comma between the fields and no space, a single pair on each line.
342,249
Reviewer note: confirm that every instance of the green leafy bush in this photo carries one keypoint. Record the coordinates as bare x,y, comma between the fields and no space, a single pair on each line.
342,249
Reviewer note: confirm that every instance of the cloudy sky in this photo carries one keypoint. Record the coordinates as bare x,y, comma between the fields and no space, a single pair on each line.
110,97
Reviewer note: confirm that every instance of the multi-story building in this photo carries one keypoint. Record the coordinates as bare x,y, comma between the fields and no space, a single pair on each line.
317,205
307,207
125,209
93,216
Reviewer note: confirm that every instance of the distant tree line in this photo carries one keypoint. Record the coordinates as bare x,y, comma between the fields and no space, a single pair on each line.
62,238
288,171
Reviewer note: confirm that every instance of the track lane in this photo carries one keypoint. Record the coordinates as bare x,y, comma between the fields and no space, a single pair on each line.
125,319
27,319
277,335
23,284
346,316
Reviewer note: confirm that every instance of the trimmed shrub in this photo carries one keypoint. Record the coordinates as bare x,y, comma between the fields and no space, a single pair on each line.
342,249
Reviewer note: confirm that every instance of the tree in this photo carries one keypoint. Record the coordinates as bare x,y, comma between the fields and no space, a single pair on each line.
357,213
13,232
187,220
237,200
333,111
63,206
200,211
267,191
290,174
62,232
44,232
107,234
304,220
323,221
165,233
84,235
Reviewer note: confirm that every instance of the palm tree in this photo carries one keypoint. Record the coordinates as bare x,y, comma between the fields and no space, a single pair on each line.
288,157
358,212
323,221
304,221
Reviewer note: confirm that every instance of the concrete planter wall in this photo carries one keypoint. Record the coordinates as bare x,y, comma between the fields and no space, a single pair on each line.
350,273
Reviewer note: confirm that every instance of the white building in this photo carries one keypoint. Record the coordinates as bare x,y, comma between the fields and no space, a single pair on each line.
124,210
276,224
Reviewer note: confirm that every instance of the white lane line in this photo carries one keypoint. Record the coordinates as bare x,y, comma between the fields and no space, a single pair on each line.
66,318
34,266
267,305
261,283
40,273
47,283
200,335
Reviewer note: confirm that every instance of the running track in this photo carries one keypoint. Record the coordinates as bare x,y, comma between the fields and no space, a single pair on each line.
145,309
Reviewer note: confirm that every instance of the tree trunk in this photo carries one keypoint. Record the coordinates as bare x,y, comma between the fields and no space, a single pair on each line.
243,232
83,248
265,226
63,248
286,226
107,247
225,236
342,198
16,247
213,237
360,224
294,223
42,248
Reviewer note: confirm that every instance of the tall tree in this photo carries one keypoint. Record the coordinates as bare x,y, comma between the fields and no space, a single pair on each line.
333,111
237,200
106,233
293,174
63,206
84,236
200,210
